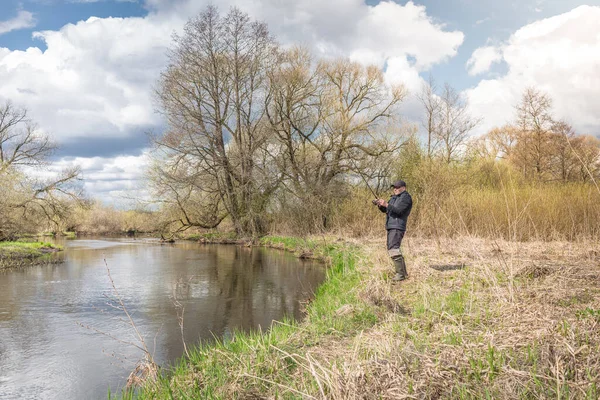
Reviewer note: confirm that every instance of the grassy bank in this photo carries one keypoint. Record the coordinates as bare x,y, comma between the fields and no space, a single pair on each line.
476,319
22,253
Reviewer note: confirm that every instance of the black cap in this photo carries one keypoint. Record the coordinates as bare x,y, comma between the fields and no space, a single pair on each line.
398,184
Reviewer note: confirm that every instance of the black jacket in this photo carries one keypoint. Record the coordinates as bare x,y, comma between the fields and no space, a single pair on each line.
397,211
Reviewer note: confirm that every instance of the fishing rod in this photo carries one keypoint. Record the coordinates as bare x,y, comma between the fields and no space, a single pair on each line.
362,176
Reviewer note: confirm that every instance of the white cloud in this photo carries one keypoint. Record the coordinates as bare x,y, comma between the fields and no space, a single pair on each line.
559,55
399,71
482,59
115,180
24,19
94,79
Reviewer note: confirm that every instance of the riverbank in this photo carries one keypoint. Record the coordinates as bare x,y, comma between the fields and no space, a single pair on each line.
319,249
24,254
476,319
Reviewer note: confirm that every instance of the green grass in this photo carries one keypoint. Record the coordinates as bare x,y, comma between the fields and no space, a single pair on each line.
589,313
23,253
269,362
25,248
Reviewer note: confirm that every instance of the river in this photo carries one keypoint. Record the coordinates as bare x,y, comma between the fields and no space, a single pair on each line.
61,334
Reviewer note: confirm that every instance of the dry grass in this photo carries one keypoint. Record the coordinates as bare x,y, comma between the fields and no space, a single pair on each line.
476,318
517,212
145,371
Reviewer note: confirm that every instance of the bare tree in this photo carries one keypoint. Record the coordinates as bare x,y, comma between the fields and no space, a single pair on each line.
433,107
504,140
330,118
50,200
563,162
187,200
212,95
21,143
587,151
455,122
498,143
447,121
574,157
534,121
27,200
358,107
295,114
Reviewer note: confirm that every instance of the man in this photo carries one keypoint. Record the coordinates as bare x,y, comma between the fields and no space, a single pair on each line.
397,210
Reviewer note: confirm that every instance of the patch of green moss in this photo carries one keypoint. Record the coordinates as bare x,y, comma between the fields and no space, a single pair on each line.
23,250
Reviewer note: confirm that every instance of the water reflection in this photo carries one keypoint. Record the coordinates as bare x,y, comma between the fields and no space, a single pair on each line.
45,353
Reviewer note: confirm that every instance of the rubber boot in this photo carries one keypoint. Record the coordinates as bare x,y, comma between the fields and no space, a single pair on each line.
400,265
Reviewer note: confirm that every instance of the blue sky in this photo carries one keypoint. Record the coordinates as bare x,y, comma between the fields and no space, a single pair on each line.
54,14
488,21
88,81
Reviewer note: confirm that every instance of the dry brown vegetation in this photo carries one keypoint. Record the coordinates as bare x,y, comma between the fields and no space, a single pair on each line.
95,218
478,318
452,206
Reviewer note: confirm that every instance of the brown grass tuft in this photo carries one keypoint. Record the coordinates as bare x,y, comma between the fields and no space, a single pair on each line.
145,371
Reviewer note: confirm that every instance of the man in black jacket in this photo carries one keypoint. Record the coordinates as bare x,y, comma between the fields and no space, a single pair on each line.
397,210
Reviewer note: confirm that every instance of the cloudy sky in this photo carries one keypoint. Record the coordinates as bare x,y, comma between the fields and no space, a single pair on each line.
85,69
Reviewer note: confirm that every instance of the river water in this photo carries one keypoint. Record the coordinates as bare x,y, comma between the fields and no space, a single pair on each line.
55,319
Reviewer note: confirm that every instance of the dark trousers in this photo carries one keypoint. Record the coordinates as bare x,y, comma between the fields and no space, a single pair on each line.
394,238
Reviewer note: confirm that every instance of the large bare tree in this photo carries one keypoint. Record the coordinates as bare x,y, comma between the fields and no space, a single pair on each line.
330,118
212,95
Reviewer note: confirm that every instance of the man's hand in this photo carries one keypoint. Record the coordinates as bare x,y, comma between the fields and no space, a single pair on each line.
382,203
